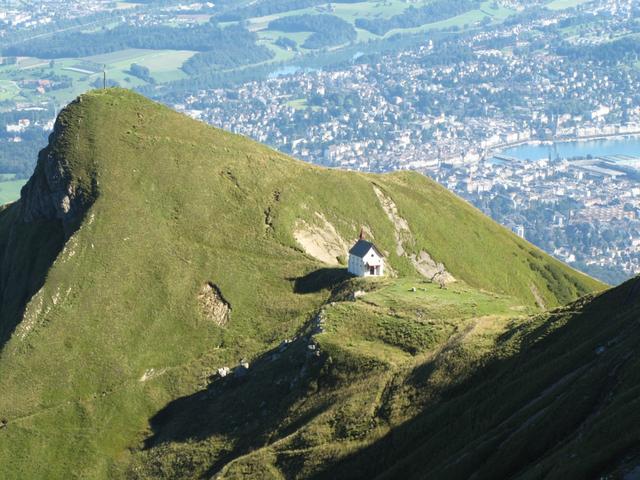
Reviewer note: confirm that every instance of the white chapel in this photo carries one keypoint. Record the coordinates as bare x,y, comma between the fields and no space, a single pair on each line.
365,260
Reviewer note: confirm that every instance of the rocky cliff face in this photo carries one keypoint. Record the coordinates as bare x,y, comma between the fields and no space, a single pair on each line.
51,193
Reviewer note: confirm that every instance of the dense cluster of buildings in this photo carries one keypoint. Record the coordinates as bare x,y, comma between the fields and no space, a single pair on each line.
19,16
584,211
412,110
16,15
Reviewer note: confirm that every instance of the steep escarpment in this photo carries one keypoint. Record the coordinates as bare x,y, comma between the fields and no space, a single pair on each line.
62,186
51,207
150,252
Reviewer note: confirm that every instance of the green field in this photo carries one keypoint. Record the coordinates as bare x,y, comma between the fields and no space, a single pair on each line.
457,301
35,69
8,90
347,11
298,103
564,4
280,54
10,190
375,9
126,5
469,19
165,66
301,104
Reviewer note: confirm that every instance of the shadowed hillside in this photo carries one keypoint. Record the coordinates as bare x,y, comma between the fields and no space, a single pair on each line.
435,388
557,397
149,250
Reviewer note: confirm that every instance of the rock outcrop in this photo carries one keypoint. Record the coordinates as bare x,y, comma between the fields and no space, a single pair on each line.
213,304
430,269
321,241
51,193
424,264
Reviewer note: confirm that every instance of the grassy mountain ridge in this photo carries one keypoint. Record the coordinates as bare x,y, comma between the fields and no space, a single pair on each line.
563,406
548,396
105,320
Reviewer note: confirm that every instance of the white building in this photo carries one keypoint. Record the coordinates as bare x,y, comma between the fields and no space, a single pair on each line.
518,230
365,260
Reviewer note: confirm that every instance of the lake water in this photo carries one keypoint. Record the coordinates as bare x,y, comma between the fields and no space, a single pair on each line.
580,148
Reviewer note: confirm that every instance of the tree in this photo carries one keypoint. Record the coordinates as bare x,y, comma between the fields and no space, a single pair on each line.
142,72
286,43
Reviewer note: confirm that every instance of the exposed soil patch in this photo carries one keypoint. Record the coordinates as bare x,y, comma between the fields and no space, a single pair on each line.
150,374
322,242
402,230
268,212
536,294
214,307
230,176
429,268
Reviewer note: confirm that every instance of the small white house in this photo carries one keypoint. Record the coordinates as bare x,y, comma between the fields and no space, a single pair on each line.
365,260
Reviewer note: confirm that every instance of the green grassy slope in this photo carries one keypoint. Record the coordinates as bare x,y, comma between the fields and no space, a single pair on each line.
113,329
417,385
557,397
